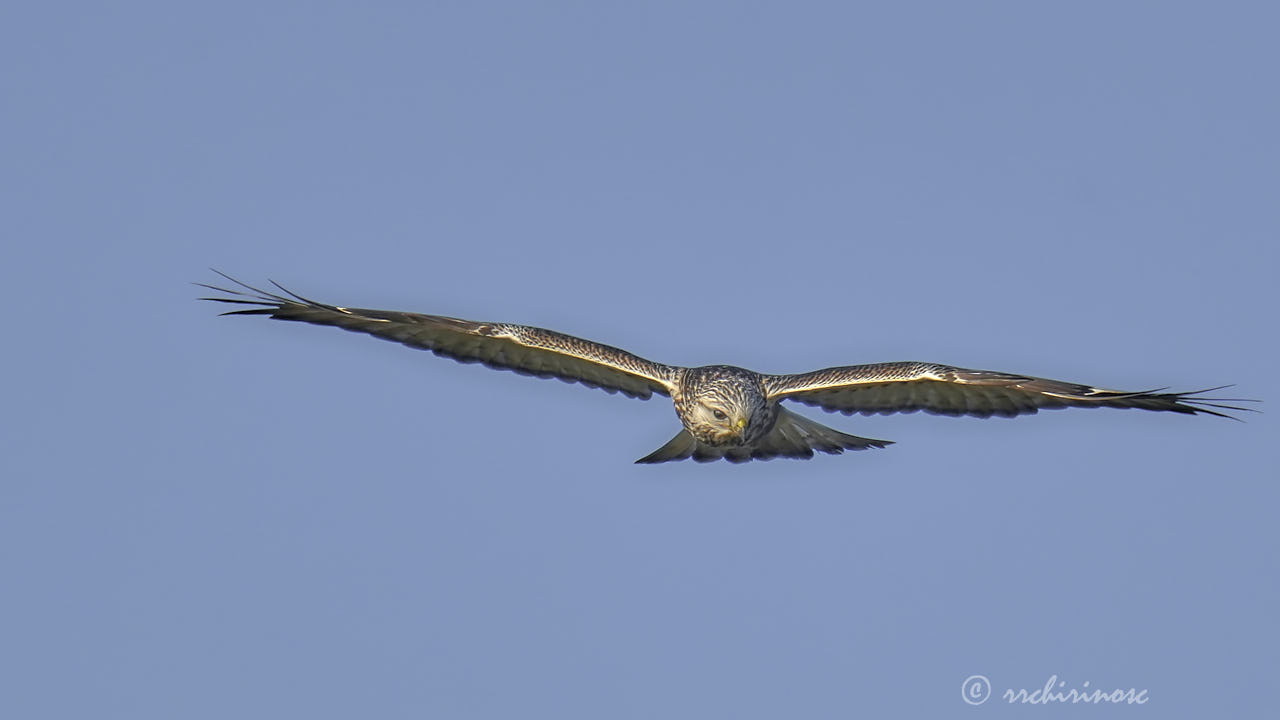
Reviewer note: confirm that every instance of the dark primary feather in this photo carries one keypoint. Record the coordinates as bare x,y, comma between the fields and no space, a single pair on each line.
884,388
523,349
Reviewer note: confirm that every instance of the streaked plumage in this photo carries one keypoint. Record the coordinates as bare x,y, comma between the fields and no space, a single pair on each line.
727,412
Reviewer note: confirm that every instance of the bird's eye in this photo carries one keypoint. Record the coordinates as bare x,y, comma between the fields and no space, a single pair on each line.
718,413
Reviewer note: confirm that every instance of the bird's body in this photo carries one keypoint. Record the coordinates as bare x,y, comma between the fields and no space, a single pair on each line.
727,412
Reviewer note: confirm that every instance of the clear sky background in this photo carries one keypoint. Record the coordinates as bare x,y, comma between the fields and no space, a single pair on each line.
206,517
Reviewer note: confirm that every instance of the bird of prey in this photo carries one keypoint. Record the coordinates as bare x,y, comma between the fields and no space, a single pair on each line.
728,412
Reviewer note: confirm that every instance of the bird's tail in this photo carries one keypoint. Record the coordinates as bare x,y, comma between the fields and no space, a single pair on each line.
793,436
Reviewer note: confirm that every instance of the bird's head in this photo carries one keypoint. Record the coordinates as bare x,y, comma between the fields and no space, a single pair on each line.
727,408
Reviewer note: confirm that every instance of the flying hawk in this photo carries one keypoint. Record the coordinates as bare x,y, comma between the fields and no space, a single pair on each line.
728,412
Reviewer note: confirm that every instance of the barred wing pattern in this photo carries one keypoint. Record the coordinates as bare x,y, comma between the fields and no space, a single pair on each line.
525,350
885,388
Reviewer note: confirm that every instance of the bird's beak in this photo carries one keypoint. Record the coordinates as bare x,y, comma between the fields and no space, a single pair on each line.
741,425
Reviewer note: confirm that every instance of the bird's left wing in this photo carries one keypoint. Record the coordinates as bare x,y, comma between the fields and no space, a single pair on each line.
525,350
884,388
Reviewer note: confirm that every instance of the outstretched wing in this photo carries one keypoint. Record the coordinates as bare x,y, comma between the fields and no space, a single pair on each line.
525,350
885,388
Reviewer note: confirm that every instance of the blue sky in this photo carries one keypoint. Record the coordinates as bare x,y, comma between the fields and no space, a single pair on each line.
207,517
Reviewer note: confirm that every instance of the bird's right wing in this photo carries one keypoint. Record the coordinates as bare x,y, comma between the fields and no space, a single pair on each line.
523,349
